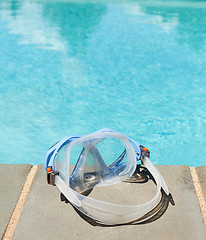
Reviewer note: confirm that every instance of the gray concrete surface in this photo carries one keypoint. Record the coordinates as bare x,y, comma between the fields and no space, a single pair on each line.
12,181
201,171
45,217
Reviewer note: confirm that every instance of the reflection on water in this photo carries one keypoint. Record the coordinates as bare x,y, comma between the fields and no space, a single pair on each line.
75,21
191,21
40,23
72,67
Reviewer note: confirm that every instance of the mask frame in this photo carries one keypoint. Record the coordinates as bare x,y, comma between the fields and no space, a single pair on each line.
73,185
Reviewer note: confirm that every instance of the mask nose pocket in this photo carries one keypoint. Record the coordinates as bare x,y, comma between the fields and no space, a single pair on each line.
101,162
89,170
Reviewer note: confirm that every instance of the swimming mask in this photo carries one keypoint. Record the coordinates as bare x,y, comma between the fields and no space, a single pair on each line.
79,163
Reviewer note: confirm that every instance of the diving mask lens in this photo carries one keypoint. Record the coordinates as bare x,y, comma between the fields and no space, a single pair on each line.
99,161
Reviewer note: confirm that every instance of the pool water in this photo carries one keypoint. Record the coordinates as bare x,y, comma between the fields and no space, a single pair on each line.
73,67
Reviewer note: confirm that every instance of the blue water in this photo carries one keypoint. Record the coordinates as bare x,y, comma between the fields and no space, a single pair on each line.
71,67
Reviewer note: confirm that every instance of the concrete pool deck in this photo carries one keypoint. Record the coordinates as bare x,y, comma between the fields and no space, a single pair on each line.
37,212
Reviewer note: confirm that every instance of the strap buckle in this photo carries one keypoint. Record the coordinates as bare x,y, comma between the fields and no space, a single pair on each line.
51,176
144,152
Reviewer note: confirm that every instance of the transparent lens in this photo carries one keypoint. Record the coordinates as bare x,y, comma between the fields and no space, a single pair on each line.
110,149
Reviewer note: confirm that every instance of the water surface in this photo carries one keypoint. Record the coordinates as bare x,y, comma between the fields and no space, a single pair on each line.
73,67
